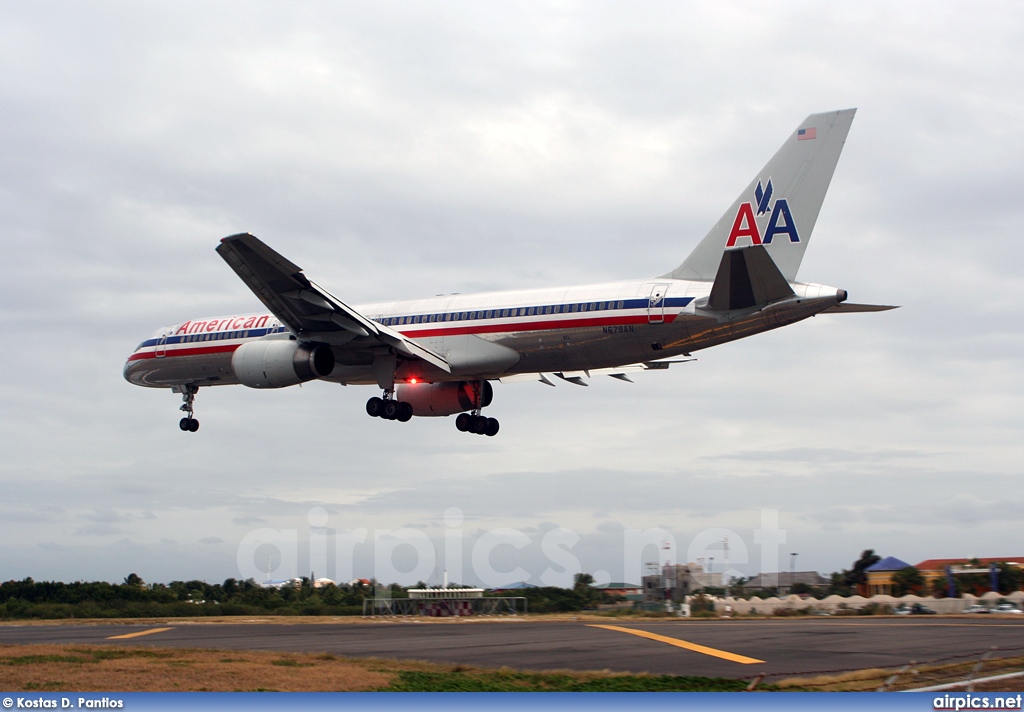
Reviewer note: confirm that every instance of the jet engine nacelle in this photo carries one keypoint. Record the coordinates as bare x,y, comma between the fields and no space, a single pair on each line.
443,398
279,363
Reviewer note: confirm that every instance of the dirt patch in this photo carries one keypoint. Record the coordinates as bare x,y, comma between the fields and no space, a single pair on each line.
67,668
46,668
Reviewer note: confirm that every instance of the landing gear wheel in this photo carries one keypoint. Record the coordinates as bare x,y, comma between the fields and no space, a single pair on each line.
491,428
184,423
193,426
374,407
404,412
390,410
479,424
462,422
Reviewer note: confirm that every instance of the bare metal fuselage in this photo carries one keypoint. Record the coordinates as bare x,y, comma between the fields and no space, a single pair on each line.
552,330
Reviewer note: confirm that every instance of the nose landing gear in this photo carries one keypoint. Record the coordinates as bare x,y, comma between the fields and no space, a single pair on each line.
188,397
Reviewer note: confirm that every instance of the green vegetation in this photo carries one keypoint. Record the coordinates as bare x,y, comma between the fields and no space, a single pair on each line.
134,598
83,655
908,580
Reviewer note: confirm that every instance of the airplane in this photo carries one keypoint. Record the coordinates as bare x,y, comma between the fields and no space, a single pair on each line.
438,356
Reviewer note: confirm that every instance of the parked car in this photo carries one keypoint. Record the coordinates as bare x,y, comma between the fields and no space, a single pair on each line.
976,608
1007,608
915,609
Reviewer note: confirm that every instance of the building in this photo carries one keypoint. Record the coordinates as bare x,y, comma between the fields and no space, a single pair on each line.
675,582
879,576
783,581
443,592
935,569
618,588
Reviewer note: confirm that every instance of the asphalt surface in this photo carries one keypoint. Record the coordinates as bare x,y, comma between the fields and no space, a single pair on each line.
782,646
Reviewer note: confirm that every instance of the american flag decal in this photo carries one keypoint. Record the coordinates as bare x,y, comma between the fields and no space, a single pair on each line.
806,134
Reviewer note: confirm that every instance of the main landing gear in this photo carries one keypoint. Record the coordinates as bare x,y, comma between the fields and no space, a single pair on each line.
188,397
388,408
475,423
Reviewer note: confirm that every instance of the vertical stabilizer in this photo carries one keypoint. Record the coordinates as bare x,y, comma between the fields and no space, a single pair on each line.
780,206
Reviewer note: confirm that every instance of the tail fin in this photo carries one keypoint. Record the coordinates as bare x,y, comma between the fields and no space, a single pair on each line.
780,206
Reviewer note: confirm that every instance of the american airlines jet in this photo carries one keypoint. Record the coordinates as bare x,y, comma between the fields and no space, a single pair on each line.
437,356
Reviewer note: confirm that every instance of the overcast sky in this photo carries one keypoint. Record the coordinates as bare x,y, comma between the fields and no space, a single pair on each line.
402,150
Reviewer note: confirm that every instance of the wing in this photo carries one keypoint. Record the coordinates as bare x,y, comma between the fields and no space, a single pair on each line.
310,311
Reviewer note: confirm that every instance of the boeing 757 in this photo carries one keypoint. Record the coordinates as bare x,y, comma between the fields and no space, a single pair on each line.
438,356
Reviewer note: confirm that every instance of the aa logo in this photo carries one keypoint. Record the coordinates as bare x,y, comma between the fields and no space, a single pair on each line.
780,223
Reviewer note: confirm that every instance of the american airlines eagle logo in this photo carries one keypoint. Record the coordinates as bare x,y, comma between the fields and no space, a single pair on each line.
779,223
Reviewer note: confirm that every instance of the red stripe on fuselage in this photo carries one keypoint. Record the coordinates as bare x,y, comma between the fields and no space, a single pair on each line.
439,330
201,351
442,329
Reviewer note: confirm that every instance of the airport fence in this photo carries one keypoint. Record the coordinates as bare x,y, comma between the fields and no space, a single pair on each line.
445,607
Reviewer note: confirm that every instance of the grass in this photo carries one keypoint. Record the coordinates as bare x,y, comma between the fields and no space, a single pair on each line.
56,668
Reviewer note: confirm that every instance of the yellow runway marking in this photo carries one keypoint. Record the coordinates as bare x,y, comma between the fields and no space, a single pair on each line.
714,652
136,635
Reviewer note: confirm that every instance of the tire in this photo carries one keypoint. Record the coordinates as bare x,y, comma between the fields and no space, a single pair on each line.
479,424
462,422
374,406
404,412
183,424
492,428
390,410
193,425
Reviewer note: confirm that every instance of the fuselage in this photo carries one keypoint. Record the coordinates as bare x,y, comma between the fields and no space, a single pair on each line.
552,330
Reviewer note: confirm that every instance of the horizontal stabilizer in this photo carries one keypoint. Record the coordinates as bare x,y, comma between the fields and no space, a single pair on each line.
847,308
747,278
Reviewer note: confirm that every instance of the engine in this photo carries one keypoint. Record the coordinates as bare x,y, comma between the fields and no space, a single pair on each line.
280,363
443,398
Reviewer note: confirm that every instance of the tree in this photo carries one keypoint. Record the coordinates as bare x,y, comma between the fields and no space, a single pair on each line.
801,588
857,576
581,581
907,580
1011,578
133,580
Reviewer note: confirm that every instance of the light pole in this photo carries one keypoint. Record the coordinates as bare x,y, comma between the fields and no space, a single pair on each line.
792,568
711,569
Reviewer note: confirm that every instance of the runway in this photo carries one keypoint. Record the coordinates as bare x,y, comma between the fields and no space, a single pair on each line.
736,649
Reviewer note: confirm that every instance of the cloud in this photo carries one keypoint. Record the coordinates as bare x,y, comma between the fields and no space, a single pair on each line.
459,147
